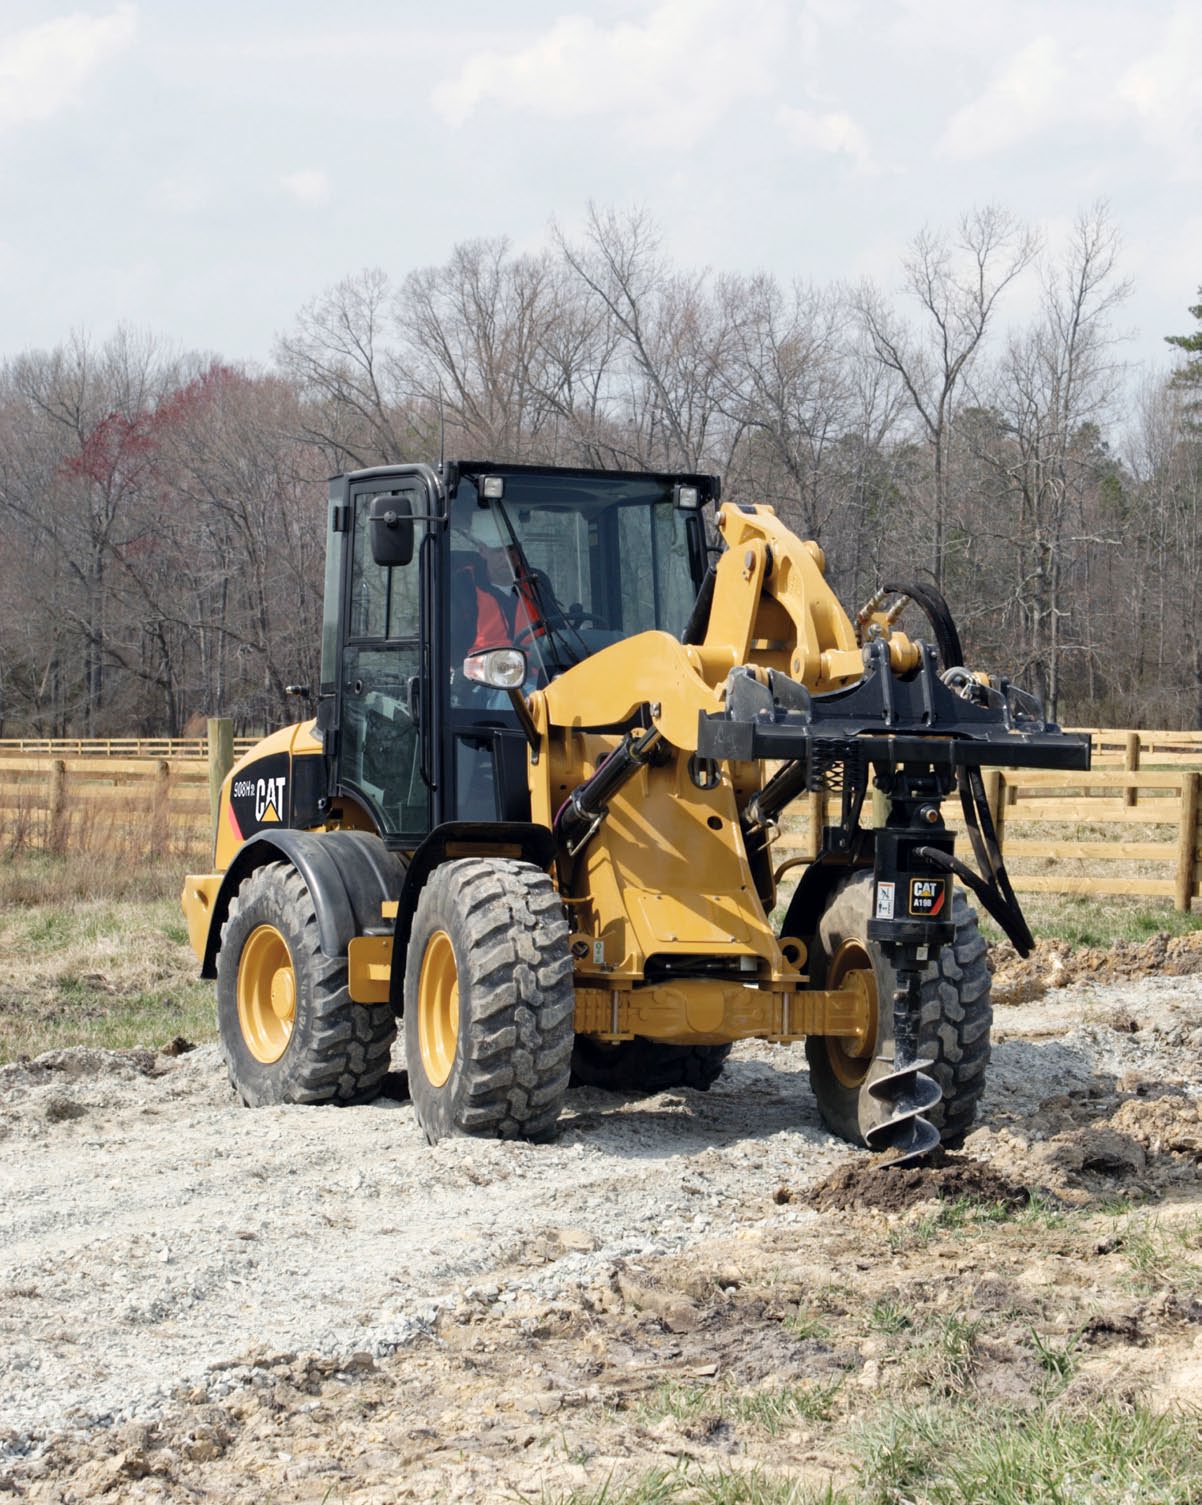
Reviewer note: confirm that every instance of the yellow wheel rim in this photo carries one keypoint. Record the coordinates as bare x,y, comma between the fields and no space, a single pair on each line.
851,1055
266,994
438,1008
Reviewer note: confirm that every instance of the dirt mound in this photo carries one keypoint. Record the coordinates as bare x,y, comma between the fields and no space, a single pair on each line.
1056,964
1163,1125
883,1188
78,1063
1145,1147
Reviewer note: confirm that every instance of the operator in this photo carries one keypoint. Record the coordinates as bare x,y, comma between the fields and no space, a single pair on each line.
493,605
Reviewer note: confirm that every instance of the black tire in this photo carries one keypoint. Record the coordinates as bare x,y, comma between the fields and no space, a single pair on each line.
497,1063
332,1050
955,1021
645,1066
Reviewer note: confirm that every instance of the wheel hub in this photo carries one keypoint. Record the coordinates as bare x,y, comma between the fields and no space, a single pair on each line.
850,1055
266,994
283,994
438,1008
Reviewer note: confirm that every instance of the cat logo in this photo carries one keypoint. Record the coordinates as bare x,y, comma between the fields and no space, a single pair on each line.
927,896
269,800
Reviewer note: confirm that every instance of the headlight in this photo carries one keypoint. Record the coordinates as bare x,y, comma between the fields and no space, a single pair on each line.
502,668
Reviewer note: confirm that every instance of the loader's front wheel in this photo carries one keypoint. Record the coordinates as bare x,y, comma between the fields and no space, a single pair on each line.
955,1020
289,1031
489,1001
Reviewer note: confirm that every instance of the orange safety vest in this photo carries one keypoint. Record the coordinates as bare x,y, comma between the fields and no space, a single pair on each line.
492,630
526,614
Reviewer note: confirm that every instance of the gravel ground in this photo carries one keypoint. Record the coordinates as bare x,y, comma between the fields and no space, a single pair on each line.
155,1235
151,1229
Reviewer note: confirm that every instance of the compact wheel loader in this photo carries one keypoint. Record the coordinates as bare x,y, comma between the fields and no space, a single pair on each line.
561,716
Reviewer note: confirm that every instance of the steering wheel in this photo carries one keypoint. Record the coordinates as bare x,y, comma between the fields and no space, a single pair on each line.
526,635
576,614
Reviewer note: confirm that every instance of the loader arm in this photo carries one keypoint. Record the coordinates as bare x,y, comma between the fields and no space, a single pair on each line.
649,763
772,609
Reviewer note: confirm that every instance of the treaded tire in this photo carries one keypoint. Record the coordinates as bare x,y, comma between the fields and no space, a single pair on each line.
338,1051
645,1066
507,1064
956,1017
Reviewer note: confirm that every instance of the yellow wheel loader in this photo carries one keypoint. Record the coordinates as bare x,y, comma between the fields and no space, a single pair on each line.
561,716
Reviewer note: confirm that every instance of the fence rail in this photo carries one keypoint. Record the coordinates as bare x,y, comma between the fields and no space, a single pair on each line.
1129,750
88,803
1031,807
1109,831
116,747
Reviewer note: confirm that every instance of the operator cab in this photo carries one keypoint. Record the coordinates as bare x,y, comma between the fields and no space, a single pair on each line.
427,568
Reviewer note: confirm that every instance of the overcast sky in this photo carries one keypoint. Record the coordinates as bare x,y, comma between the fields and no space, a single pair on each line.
202,168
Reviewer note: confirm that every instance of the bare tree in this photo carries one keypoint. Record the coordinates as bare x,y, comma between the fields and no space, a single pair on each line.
667,392
478,337
788,385
1055,386
343,358
956,281
89,418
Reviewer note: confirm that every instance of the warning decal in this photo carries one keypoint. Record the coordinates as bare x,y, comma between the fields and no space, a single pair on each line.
884,900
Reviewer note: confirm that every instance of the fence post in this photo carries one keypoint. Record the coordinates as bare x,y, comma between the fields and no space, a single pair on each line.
1131,764
816,802
221,759
161,825
1187,860
57,806
996,794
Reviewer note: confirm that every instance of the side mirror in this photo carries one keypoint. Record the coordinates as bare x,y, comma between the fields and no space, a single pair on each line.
391,522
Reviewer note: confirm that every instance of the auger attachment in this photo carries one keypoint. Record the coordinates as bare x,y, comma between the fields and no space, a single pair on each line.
911,921
907,1089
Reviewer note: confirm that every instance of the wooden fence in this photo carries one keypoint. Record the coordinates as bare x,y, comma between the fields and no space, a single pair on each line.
116,747
86,802
1116,830
1115,747
1104,832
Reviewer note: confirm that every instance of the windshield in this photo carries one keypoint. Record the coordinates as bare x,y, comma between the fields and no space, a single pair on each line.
563,565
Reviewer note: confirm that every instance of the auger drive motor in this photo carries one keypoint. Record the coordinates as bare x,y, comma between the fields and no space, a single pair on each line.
562,714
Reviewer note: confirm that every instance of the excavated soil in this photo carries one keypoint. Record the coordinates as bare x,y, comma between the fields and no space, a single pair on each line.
1056,964
883,1188
198,1301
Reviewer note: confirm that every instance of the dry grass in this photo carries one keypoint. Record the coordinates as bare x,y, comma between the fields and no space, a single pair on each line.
120,833
94,952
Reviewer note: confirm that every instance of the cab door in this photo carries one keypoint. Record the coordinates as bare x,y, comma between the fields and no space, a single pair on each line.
384,680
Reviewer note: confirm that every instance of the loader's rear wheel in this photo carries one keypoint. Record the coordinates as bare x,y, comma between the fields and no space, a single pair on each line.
955,1019
645,1066
289,1031
489,1001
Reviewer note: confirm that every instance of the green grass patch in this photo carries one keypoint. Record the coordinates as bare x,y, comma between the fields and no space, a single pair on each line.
808,1324
107,971
889,1317
1058,1360
1084,921
770,1410
1111,1455
959,1215
1162,1255
79,1015
698,1487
